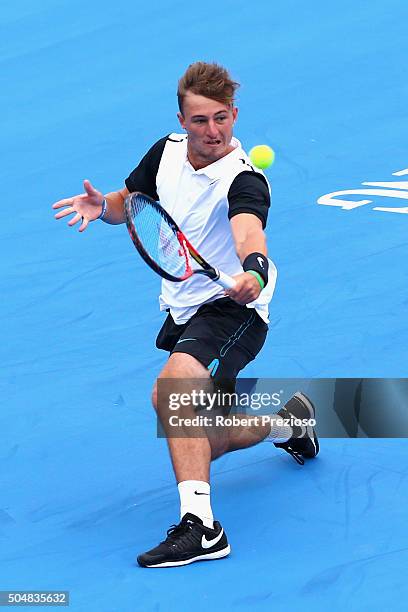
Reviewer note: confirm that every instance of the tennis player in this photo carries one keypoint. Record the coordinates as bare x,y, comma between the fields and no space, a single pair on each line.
206,182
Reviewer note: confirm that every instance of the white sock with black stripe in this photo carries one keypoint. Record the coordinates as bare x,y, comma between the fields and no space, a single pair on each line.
195,498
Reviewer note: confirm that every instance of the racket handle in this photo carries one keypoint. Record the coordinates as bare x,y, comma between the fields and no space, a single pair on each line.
225,281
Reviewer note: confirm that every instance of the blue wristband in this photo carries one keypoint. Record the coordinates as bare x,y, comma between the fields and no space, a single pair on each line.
104,208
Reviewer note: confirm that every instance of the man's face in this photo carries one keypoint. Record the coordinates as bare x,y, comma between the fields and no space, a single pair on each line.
209,127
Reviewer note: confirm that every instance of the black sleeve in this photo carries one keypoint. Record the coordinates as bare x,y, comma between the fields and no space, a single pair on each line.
249,193
143,177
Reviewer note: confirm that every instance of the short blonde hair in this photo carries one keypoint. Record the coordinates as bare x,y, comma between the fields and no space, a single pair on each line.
208,80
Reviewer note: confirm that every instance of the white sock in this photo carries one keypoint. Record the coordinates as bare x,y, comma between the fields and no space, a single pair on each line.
195,498
279,433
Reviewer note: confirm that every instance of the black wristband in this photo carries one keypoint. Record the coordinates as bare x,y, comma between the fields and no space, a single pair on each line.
258,263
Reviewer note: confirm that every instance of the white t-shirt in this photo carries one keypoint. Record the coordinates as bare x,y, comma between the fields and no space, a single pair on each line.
198,202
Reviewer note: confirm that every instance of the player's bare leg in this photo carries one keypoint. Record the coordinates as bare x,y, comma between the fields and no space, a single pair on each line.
198,535
194,448
190,454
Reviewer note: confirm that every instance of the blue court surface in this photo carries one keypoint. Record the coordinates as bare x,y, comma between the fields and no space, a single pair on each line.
85,485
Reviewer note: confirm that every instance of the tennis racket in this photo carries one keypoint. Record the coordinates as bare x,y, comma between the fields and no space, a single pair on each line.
163,245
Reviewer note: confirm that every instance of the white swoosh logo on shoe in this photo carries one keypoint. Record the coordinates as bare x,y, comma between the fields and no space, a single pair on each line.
208,543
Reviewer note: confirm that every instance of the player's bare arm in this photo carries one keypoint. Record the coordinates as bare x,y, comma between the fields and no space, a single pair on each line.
89,206
249,238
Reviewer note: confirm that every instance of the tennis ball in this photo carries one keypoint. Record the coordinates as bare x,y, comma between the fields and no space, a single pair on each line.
262,156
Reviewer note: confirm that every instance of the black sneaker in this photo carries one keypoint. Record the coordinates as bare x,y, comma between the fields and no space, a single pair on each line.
304,442
187,542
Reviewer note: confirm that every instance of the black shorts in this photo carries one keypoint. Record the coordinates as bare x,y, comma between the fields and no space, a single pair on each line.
222,335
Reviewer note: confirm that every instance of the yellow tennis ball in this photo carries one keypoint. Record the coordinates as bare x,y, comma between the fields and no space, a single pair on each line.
262,156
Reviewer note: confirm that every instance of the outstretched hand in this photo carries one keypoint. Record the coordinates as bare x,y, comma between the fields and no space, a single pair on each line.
86,206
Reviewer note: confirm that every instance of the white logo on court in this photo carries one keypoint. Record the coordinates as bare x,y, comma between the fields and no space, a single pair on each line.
389,189
207,544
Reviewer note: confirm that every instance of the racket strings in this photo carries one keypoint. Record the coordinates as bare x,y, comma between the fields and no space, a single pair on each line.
159,240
